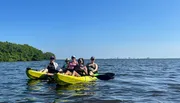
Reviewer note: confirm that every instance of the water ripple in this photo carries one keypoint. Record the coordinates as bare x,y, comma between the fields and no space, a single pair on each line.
136,81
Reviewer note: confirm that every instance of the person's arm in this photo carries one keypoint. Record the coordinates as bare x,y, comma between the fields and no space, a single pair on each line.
85,69
58,68
44,70
96,69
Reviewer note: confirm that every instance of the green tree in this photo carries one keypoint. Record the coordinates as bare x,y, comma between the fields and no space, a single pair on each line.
17,52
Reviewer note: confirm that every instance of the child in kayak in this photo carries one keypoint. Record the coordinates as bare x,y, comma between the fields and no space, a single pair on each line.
71,66
92,66
65,66
80,69
52,67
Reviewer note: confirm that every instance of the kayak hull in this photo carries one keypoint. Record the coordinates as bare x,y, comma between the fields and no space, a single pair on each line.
62,79
33,74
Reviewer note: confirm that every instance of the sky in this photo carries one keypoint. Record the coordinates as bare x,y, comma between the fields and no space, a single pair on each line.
100,28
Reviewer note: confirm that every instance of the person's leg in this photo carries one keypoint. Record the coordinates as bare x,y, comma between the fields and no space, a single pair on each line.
50,74
86,71
68,73
75,74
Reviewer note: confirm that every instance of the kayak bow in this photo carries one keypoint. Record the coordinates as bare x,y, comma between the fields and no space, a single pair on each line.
34,74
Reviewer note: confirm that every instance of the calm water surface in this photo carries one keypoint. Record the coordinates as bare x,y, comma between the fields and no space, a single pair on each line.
136,81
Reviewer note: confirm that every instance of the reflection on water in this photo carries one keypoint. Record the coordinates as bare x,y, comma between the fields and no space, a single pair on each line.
32,82
77,89
63,93
34,85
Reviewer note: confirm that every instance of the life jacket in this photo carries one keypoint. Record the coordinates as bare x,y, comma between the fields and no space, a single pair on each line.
80,69
52,67
91,67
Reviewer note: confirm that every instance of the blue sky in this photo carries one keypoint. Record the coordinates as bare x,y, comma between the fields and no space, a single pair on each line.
102,28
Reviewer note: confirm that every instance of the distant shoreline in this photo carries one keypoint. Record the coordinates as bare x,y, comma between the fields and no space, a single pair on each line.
103,59
126,58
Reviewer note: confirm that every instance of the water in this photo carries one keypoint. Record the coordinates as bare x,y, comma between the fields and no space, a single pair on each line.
136,81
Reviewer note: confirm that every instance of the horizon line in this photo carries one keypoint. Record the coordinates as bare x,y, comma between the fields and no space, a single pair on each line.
126,58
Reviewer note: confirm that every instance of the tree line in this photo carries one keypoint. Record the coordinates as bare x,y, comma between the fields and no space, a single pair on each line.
17,52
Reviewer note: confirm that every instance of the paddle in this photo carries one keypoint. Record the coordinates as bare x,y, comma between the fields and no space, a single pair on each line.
105,76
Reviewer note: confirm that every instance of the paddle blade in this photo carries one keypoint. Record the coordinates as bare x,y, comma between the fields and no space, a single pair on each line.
106,76
110,74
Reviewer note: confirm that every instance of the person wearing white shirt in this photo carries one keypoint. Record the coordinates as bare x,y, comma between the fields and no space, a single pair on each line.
52,66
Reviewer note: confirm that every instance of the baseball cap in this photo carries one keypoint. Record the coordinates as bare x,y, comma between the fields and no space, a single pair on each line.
52,57
67,59
73,56
92,58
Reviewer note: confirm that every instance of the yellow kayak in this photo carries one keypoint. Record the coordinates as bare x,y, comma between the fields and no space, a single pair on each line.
33,74
63,79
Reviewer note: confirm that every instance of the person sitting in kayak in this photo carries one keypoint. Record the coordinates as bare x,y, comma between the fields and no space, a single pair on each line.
71,66
92,66
52,67
65,66
80,69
